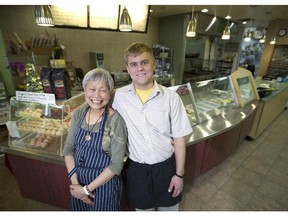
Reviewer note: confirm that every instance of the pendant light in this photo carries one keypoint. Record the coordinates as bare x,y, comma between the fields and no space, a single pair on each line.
262,40
247,36
43,15
226,33
125,21
191,28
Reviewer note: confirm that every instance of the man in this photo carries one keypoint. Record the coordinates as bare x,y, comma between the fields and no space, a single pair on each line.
157,123
250,62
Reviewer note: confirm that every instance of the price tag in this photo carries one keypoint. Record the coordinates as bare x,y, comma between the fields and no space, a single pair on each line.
43,98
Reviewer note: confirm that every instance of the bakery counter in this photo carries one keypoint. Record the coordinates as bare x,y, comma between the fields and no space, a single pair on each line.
211,142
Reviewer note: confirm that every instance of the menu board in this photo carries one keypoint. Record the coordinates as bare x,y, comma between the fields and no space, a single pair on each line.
103,16
70,15
139,16
99,16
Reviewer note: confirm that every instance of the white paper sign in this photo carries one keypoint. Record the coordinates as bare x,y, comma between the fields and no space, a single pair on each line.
43,98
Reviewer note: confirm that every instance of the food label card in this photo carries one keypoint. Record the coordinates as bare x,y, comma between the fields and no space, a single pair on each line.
43,98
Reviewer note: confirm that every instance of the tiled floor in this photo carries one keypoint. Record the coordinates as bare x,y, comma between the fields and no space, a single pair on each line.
255,177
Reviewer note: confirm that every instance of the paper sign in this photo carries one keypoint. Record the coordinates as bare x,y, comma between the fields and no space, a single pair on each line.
43,98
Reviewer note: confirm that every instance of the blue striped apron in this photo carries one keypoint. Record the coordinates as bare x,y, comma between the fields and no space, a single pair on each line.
90,161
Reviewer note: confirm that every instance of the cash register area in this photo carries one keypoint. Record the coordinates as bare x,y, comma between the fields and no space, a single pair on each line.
253,178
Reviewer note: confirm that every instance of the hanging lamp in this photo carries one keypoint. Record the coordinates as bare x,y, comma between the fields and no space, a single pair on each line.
262,40
191,28
125,21
43,15
226,33
247,36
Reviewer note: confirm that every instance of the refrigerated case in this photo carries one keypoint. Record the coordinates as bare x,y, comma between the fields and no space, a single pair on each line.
41,127
206,99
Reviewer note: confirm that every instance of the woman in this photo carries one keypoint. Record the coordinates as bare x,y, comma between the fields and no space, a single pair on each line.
95,147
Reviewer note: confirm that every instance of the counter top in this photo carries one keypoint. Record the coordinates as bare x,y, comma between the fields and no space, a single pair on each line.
220,123
280,86
202,131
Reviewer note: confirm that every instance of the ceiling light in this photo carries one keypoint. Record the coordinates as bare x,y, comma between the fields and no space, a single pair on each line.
228,17
125,21
226,33
204,10
247,36
43,15
211,23
191,28
244,22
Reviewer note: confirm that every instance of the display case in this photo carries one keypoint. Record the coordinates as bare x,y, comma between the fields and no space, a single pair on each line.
213,97
41,126
206,99
187,98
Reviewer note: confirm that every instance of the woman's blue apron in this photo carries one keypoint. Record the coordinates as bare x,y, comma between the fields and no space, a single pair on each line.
90,161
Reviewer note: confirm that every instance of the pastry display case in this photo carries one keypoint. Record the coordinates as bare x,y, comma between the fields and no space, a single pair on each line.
40,126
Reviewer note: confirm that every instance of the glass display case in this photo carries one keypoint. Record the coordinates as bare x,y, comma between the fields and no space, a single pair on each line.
213,97
187,97
39,126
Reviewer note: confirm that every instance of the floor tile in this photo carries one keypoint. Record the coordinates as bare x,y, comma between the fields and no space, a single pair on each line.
239,190
224,202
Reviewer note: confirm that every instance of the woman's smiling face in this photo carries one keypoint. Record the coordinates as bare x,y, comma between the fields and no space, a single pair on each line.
97,94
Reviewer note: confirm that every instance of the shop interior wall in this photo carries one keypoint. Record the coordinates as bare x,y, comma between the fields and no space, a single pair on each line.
272,31
78,42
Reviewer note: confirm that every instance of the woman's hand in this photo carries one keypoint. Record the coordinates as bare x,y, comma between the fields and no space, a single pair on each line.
77,191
